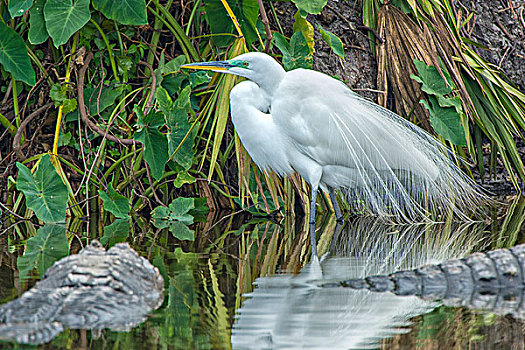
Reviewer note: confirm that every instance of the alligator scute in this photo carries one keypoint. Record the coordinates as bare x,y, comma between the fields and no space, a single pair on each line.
493,281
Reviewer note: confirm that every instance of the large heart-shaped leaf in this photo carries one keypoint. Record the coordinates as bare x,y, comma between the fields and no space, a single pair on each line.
132,12
14,57
154,142
176,117
18,7
64,18
114,202
445,121
433,83
45,192
47,246
115,233
37,24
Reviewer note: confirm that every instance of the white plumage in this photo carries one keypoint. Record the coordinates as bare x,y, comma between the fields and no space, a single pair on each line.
306,121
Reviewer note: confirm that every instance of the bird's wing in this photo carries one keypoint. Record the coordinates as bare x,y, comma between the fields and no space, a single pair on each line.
383,159
256,129
334,126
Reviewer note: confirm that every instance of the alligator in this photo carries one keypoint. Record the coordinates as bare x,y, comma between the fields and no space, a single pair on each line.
95,289
493,280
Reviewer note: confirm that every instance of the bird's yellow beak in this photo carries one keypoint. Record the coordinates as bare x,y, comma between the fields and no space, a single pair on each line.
216,66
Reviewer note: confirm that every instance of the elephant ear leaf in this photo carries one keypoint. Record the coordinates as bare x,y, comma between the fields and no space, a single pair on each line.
18,8
47,246
44,191
37,23
14,57
64,18
114,202
129,12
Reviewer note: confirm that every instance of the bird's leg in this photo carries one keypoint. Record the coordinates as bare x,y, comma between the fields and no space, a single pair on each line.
335,236
313,241
337,211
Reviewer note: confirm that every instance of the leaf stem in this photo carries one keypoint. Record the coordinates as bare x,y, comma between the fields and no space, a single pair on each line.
110,53
60,109
15,103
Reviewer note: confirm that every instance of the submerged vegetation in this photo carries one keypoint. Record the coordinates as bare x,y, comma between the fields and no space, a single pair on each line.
100,124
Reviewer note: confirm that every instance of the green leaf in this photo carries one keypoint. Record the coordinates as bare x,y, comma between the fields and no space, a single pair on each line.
45,192
175,218
179,128
311,6
451,102
155,144
37,24
201,207
303,26
65,139
64,18
433,83
159,263
131,12
47,246
296,54
333,41
153,120
183,178
182,232
199,78
18,7
114,202
282,44
176,118
300,56
58,93
14,57
446,122
99,99
177,210
69,105
164,100
115,233
246,12
173,65
124,64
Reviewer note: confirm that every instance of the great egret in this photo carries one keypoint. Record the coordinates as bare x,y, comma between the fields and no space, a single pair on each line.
306,121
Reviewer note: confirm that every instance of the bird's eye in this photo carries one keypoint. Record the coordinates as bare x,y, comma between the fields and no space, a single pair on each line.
245,64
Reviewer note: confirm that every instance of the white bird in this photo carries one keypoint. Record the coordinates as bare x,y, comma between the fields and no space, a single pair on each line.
308,122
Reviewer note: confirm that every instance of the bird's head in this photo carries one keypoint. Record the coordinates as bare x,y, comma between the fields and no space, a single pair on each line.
255,66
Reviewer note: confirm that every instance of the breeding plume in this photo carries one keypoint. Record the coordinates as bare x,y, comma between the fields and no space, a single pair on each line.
308,122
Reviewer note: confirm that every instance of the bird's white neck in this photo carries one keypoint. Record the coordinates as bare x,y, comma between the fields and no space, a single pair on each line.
269,78
270,82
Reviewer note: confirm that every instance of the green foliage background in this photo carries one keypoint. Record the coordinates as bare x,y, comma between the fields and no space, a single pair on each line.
133,134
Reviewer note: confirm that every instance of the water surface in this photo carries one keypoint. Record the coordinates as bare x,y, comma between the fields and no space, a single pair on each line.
250,285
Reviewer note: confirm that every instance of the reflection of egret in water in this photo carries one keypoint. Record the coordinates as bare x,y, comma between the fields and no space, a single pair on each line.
287,312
